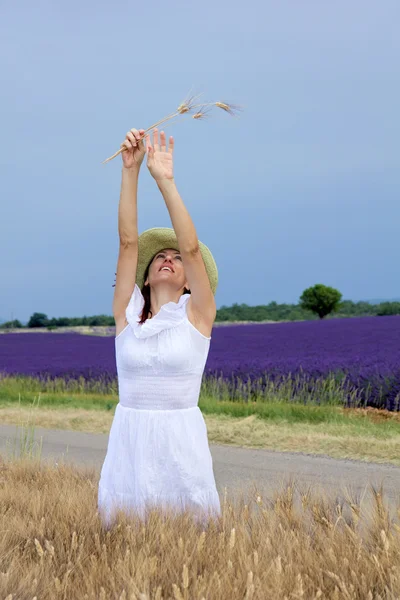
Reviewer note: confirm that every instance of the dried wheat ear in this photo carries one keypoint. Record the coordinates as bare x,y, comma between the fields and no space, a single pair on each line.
188,106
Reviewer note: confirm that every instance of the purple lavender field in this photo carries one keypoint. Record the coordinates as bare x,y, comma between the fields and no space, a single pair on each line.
366,351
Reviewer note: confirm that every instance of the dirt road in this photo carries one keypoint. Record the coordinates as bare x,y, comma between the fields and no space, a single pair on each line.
235,468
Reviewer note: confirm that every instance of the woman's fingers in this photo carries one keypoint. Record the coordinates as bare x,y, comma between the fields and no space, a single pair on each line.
133,139
148,143
159,144
131,136
137,134
127,144
155,141
163,142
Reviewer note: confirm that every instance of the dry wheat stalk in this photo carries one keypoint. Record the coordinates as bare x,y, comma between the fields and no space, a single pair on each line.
188,106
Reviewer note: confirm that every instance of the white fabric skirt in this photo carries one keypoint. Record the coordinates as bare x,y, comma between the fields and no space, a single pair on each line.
158,458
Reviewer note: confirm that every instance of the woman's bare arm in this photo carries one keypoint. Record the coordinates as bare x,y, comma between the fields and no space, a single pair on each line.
132,158
127,208
201,304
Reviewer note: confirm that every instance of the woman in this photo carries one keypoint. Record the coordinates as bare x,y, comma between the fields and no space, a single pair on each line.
164,309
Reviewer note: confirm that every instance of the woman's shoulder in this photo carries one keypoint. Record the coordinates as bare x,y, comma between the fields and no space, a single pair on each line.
172,314
199,324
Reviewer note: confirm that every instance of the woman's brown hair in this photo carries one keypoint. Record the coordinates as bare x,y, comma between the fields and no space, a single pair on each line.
146,295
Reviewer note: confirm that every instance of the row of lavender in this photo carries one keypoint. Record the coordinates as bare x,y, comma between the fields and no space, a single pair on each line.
365,352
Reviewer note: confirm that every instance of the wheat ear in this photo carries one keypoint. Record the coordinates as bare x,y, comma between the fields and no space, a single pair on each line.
185,107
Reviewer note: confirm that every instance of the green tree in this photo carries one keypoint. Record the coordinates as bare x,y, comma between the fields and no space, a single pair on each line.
38,320
15,324
388,308
320,299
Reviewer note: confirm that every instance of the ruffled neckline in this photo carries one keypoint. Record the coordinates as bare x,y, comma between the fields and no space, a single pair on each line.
170,315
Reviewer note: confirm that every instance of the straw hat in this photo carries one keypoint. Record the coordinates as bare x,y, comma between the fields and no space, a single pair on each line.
153,240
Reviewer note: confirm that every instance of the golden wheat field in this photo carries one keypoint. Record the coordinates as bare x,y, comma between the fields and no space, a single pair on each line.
53,545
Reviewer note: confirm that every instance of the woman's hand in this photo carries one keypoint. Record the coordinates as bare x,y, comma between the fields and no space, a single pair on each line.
159,159
134,150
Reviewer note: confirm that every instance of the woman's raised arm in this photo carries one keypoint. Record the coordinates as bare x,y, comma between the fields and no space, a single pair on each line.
132,158
201,304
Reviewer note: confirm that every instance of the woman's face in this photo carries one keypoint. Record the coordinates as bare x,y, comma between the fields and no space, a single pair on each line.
167,266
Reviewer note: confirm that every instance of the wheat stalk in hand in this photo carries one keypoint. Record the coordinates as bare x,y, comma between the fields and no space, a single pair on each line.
188,106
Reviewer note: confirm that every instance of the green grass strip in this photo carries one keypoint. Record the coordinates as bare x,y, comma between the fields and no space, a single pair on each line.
273,410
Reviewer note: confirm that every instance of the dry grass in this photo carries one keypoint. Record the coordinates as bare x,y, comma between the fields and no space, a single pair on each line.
293,545
335,440
76,419
332,439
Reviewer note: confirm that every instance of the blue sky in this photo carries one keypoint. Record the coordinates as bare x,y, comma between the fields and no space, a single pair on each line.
302,189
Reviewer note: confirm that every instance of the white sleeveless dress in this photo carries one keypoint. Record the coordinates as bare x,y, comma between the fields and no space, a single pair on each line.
158,452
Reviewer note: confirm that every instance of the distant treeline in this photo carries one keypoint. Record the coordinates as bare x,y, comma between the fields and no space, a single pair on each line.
293,312
237,312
